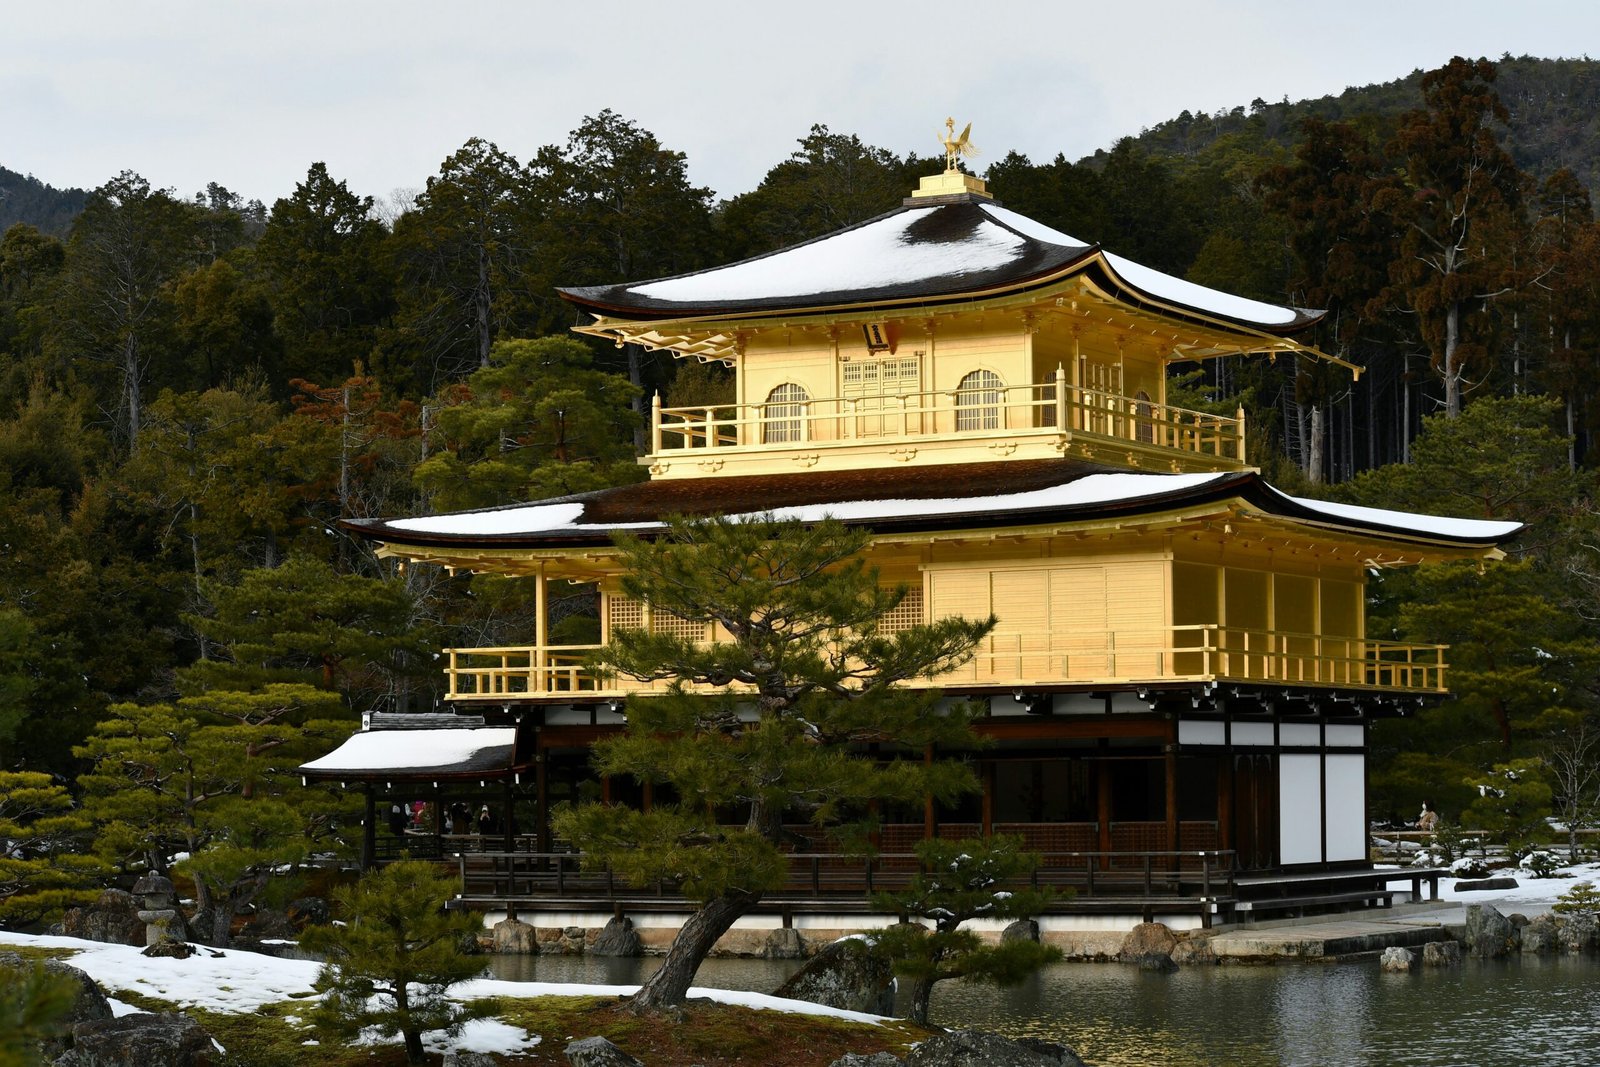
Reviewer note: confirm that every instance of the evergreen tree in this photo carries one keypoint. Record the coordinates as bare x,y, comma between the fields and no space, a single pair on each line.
766,721
33,1004
391,963
1459,208
539,421
42,868
213,777
978,878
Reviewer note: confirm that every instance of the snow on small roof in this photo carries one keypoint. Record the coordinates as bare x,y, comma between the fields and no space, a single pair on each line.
418,753
1435,525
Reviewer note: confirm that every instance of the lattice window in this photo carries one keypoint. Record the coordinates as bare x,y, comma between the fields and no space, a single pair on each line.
978,401
881,377
626,613
906,614
663,622
781,415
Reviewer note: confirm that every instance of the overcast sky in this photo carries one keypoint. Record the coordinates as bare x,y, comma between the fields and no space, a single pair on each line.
250,94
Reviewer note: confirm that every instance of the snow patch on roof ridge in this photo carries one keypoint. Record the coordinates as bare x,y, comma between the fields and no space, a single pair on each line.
1199,297
1439,526
1032,228
877,255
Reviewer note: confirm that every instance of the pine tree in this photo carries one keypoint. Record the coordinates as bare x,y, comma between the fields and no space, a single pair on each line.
765,722
42,868
391,963
959,881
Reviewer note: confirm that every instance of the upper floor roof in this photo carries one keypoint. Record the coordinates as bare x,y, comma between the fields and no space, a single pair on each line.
926,251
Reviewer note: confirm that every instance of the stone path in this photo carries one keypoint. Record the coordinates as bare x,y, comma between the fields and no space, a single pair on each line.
1330,938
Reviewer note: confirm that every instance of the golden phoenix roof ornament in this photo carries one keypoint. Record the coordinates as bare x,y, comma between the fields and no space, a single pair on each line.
956,147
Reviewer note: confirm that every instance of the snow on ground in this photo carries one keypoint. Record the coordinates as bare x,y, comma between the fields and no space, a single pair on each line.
239,981
1533,896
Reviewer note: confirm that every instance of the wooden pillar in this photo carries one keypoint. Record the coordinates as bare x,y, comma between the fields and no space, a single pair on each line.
1171,761
541,788
438,824
930,817
1102,770
540,682
510,821
1225,801
369,830
988,798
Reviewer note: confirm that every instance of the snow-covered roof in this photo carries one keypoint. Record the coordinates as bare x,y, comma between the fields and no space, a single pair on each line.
972,496
957,246
414,753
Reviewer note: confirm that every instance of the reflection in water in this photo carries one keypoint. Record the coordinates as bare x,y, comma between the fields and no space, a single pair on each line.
1526,1011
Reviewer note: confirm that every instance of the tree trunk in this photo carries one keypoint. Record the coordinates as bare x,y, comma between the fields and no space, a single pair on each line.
921,997
667,988
1317,445
481,306
408,1029
1452,371
130,389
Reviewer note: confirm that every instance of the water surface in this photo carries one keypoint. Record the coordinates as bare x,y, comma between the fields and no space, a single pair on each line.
1524,1011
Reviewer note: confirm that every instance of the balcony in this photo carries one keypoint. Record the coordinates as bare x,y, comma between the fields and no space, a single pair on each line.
1198,653
1049,418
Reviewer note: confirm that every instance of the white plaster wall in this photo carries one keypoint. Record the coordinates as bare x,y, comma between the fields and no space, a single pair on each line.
1300,808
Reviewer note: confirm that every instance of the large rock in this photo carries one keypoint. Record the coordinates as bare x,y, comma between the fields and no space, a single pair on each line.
168,1040
1021,930
845,974
617,938
1542,935
598,1052
1397,960
1580,934
112,918
784,943
974,1048
515,937
1147,938
1475,884
89,1004
1441,954
1490,935
308,911
861,1059
469,1059
1195,950
1149,945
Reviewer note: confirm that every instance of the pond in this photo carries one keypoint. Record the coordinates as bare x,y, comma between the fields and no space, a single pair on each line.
1523,1011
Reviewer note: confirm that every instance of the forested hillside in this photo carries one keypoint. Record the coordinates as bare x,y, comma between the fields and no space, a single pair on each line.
194,390
24,198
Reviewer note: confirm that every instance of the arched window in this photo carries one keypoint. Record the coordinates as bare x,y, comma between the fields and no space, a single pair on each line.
1143,413
781,415
978,401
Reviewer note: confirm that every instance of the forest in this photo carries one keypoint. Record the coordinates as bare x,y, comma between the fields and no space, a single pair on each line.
194,390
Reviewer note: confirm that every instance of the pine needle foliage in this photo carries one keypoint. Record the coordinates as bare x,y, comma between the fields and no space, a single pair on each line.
768,724
390,965
976,878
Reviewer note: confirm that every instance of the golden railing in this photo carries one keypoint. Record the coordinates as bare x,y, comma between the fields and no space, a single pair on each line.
1047,408
1180,653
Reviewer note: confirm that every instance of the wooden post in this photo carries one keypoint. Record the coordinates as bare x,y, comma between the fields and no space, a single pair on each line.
1103,801
1171,760
369,830
541,789
655,424
988,799
540,682
510,822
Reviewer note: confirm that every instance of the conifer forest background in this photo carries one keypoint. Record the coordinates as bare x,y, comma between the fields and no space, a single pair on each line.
195,388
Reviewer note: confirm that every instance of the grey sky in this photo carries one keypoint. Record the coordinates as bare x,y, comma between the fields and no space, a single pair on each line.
250,94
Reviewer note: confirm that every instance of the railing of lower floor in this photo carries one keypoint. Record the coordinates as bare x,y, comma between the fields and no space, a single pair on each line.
1200,652
1203,874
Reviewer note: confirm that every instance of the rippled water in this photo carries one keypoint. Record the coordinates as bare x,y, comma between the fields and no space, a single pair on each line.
1526,1011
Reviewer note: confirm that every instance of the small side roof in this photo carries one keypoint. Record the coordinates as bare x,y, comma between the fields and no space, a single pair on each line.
414,750
918,253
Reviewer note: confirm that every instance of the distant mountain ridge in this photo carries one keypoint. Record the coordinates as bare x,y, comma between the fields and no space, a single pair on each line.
24,198
1554,107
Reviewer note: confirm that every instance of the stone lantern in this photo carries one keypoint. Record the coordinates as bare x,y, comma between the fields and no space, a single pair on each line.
158,907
